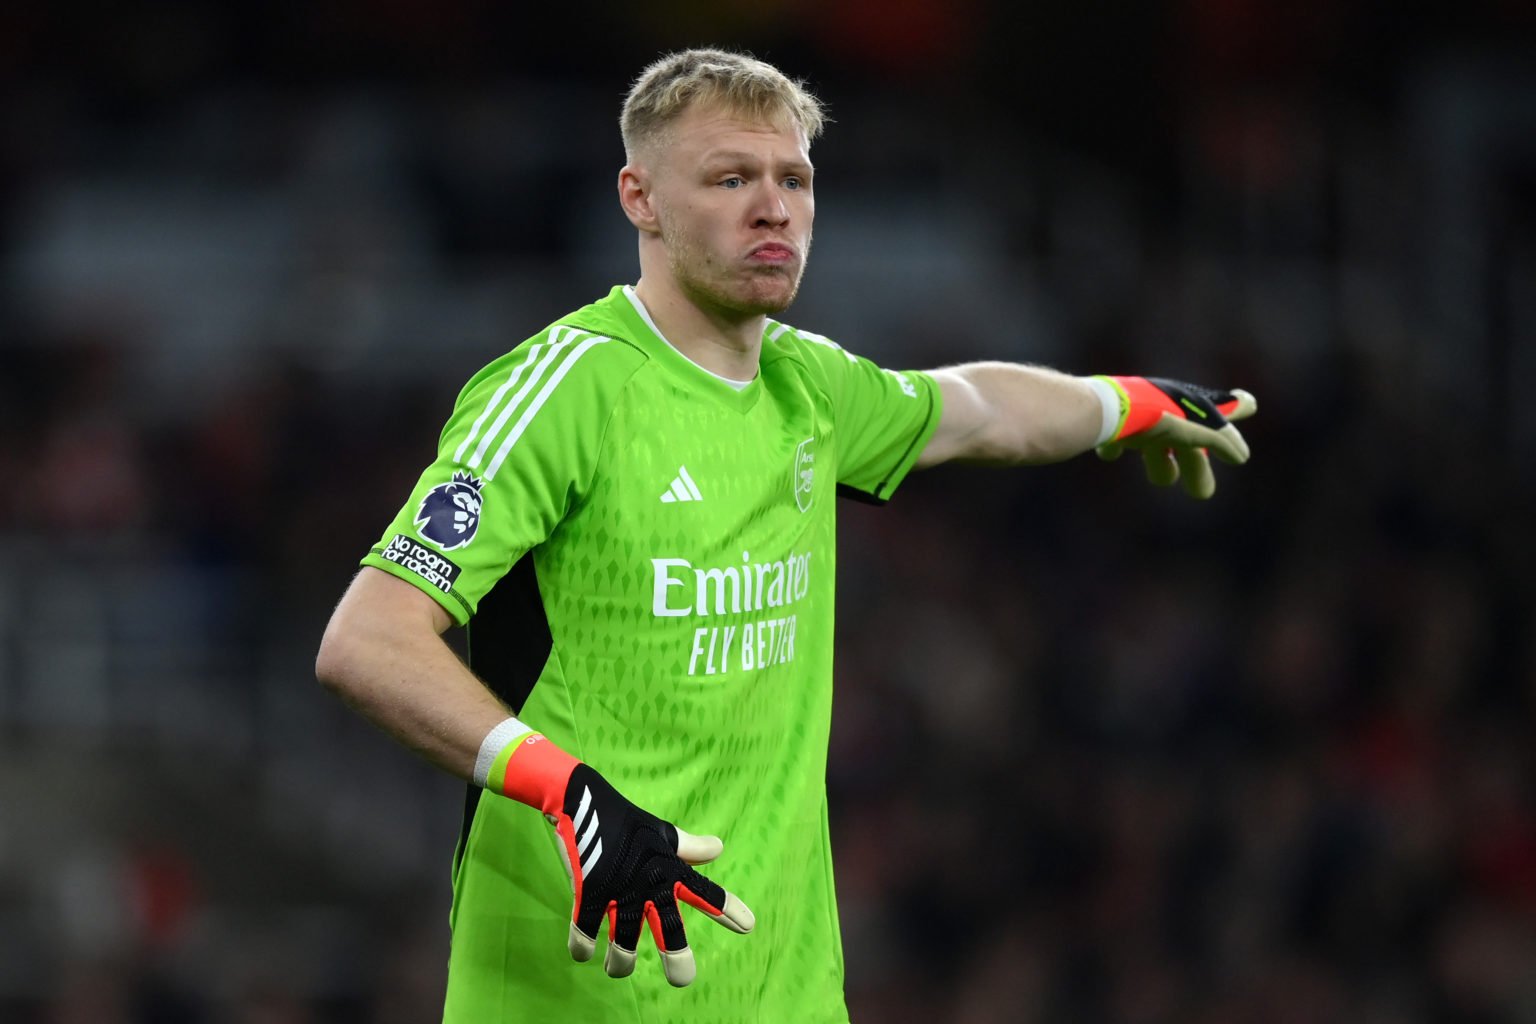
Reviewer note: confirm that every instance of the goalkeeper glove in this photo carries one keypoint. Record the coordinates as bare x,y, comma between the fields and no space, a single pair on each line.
1173,424
624,863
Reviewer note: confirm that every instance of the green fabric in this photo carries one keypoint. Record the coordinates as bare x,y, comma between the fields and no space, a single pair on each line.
692,642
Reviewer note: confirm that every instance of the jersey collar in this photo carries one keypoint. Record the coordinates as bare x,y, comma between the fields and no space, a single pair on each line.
634,314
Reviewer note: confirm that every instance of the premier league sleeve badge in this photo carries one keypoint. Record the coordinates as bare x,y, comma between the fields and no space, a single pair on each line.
450,513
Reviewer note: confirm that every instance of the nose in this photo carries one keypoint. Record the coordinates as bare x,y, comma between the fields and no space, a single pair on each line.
769,209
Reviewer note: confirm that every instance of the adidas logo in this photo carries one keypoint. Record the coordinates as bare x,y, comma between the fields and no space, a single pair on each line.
587,858
683,488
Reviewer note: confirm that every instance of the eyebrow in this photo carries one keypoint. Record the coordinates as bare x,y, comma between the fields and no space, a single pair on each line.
742,156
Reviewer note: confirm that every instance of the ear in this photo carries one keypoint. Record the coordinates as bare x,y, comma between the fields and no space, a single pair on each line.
637,199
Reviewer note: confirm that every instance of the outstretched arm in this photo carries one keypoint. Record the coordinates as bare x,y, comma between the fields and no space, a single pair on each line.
1013,414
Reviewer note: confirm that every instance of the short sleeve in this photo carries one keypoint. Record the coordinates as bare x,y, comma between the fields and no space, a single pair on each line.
884,418
521,445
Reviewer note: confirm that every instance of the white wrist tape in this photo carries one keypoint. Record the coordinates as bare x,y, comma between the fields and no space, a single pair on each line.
1109,405
506,732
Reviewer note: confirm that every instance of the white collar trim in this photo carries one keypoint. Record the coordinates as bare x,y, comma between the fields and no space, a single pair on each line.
645,314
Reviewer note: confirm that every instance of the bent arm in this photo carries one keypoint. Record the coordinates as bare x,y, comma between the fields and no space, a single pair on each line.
383,653
1011,413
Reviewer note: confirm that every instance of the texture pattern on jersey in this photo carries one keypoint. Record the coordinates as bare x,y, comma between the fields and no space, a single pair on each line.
683,538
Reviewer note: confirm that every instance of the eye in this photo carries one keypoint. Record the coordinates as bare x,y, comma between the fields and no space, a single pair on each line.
733,181
794,184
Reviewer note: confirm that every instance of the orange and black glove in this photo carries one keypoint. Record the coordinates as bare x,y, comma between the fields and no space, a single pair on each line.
1174,425
624,863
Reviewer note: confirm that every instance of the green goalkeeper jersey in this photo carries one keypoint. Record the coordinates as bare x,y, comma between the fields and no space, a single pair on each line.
672,628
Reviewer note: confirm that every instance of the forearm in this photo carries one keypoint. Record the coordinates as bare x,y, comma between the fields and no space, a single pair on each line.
1011,413
409,683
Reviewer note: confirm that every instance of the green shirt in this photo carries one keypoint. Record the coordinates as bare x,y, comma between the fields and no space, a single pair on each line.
673,629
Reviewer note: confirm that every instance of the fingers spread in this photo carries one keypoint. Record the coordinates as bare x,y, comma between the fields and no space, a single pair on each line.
698,849
638,900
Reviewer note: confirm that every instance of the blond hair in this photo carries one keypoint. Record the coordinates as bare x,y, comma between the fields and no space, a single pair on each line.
740,83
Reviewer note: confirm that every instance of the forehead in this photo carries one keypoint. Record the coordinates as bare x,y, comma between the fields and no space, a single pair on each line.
705,129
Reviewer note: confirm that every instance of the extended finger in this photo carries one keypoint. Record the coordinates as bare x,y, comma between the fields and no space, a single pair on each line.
1229,445
679,967
1161,468
709,898
1195,471
582,940
1240,407
619,957
666,925
698,891
586,925
698,849
626,926
581,945
730,911
618,962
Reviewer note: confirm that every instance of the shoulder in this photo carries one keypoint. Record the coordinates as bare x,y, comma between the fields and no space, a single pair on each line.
814,355
834,366
562,354
781,341
554,392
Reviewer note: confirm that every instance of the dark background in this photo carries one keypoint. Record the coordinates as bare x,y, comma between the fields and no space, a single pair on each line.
1100,753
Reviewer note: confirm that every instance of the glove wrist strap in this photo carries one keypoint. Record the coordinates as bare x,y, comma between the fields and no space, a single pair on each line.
520,763
1114,404
1142,404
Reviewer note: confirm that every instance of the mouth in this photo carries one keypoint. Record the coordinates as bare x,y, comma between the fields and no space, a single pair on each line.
772,253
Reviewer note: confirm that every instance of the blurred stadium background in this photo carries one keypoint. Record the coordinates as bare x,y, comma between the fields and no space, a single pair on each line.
1100,754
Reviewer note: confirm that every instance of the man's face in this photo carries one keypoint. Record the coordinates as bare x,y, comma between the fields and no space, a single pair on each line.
734,208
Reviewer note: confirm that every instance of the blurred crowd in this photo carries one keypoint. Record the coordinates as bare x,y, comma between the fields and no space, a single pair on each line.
1099,753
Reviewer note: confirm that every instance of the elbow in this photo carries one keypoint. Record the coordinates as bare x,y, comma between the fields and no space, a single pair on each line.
379,623
335,659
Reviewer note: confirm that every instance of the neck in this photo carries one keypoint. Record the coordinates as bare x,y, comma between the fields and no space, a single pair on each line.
722,342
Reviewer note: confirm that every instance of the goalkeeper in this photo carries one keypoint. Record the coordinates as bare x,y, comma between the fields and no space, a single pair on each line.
632,513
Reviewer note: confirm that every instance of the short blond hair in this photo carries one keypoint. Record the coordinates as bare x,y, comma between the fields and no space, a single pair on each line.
738,82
